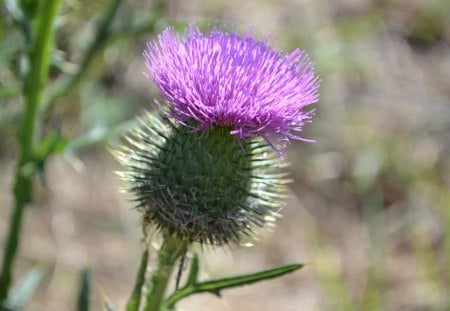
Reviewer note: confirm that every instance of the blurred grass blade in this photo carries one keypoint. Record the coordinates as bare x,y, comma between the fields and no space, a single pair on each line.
374,296
215,286
14,10
22,292
135,299
193,273
97,135
100,40
84,292
108,306
18,16
53,143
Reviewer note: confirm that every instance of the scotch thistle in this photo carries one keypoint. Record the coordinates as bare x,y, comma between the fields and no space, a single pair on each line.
208,167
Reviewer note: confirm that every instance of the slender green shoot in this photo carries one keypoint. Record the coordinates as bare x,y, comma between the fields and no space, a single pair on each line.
34,83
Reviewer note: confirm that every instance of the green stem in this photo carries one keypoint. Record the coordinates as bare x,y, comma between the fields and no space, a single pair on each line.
216,286
34,83
135,299
170,251
97,45
84,294
104,37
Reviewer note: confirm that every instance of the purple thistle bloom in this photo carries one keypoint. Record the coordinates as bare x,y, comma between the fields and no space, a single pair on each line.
234,81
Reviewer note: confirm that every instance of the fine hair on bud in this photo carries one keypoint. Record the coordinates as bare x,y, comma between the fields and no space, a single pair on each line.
202,186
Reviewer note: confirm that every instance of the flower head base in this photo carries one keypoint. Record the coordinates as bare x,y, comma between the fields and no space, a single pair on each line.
201,186
233,81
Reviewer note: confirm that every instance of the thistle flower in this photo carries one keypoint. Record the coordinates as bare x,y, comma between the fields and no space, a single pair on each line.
207,169
229,80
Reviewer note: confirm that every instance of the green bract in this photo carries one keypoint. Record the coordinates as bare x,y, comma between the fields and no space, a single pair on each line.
203,186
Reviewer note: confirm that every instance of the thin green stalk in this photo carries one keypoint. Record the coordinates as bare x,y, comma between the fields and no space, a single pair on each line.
135,299
170,251
84,294
98,43
103,38
34,83
374,296
216,286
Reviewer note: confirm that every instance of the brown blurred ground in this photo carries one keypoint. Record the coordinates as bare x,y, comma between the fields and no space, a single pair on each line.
370,198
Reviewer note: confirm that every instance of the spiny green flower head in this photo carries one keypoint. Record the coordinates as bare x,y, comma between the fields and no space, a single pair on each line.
208,168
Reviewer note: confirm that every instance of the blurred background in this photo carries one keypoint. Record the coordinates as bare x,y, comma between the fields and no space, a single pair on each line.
370,204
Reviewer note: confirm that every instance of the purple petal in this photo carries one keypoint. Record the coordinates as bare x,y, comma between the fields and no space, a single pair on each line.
227,79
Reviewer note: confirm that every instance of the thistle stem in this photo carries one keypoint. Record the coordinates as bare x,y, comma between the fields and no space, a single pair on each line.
34,83
170,251
135,299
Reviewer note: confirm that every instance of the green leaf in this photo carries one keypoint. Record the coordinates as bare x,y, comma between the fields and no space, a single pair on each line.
52,144
22,292
84,292
215,286
193,273
135,299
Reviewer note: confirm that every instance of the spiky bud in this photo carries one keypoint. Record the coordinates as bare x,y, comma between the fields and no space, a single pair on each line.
201,186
